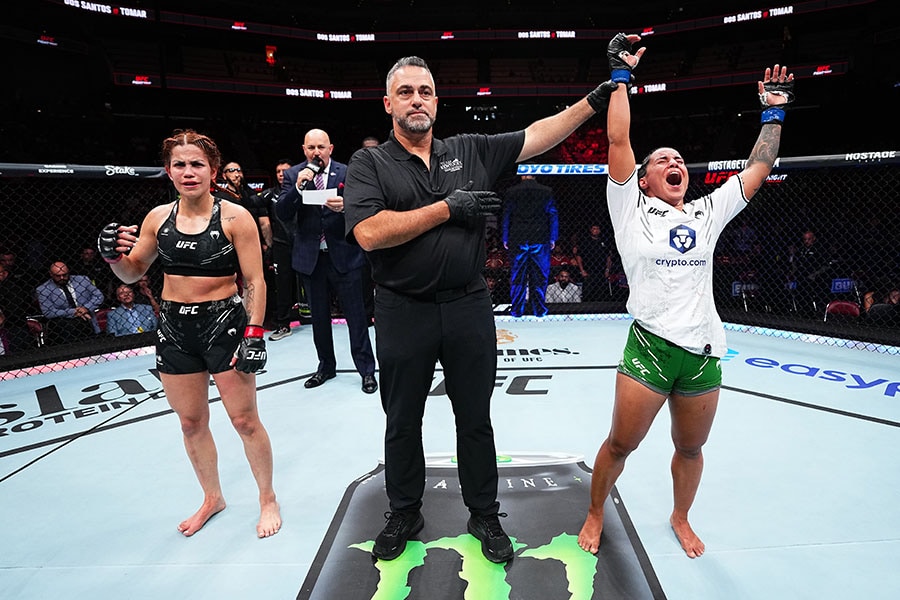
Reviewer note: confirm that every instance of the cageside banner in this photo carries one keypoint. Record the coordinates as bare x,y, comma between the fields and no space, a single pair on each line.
883,156
80,171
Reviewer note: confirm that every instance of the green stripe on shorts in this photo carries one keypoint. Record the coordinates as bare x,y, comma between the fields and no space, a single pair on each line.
664,367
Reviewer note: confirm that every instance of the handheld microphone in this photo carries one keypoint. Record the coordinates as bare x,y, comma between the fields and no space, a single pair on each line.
315,165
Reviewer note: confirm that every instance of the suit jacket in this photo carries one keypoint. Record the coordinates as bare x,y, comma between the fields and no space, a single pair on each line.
312,220
54,305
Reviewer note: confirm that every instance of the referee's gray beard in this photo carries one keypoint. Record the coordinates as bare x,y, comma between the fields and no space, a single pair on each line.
415,126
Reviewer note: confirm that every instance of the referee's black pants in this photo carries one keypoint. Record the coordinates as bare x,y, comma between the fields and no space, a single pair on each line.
411,336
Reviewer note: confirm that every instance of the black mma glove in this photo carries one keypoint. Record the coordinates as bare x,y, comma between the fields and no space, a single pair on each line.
107,242
775,114
599,98
250,356
618,66
466,206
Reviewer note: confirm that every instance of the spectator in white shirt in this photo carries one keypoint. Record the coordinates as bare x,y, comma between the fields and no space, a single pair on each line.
563,290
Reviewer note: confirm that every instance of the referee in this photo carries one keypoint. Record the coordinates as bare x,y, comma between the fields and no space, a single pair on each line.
416,204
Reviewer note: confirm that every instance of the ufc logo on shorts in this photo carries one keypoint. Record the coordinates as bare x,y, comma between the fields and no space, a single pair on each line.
640,367
186,244
188,310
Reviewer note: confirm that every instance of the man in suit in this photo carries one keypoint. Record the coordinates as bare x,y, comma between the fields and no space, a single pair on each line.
324,259
70,303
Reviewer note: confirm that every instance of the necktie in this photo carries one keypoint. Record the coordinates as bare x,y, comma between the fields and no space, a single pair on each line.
320,185
69,296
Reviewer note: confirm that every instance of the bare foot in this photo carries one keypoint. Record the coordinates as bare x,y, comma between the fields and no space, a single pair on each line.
589,536
269,520
692,545
192,524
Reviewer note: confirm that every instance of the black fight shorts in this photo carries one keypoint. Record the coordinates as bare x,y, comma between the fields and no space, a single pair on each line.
193,338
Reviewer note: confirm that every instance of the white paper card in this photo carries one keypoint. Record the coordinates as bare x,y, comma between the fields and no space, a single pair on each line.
319,196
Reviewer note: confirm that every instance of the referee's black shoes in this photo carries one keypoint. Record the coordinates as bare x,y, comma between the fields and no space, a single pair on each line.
401,526
495,544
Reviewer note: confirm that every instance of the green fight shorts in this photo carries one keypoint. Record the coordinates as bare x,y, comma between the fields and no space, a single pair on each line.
666,368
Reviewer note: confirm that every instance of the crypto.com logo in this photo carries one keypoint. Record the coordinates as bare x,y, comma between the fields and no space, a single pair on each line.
682,238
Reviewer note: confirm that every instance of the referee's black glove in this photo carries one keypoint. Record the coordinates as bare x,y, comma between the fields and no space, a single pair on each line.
466,206
599,98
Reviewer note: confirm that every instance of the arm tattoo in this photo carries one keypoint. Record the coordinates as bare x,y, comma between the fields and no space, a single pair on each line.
249,293
766,149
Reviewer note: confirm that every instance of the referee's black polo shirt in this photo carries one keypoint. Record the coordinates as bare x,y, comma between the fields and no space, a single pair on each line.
451,255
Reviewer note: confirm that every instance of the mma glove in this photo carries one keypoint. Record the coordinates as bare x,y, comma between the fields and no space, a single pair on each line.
775,114
466,206
599,98
619,68
251,355
107,242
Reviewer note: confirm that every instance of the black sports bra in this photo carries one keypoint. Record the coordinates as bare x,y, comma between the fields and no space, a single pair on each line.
206,254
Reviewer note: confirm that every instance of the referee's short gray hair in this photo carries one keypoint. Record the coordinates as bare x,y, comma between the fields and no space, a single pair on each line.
406,61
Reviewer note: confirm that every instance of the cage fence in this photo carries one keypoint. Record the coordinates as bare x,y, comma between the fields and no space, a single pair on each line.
816,252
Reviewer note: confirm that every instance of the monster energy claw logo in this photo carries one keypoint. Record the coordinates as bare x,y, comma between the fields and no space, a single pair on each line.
485,580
